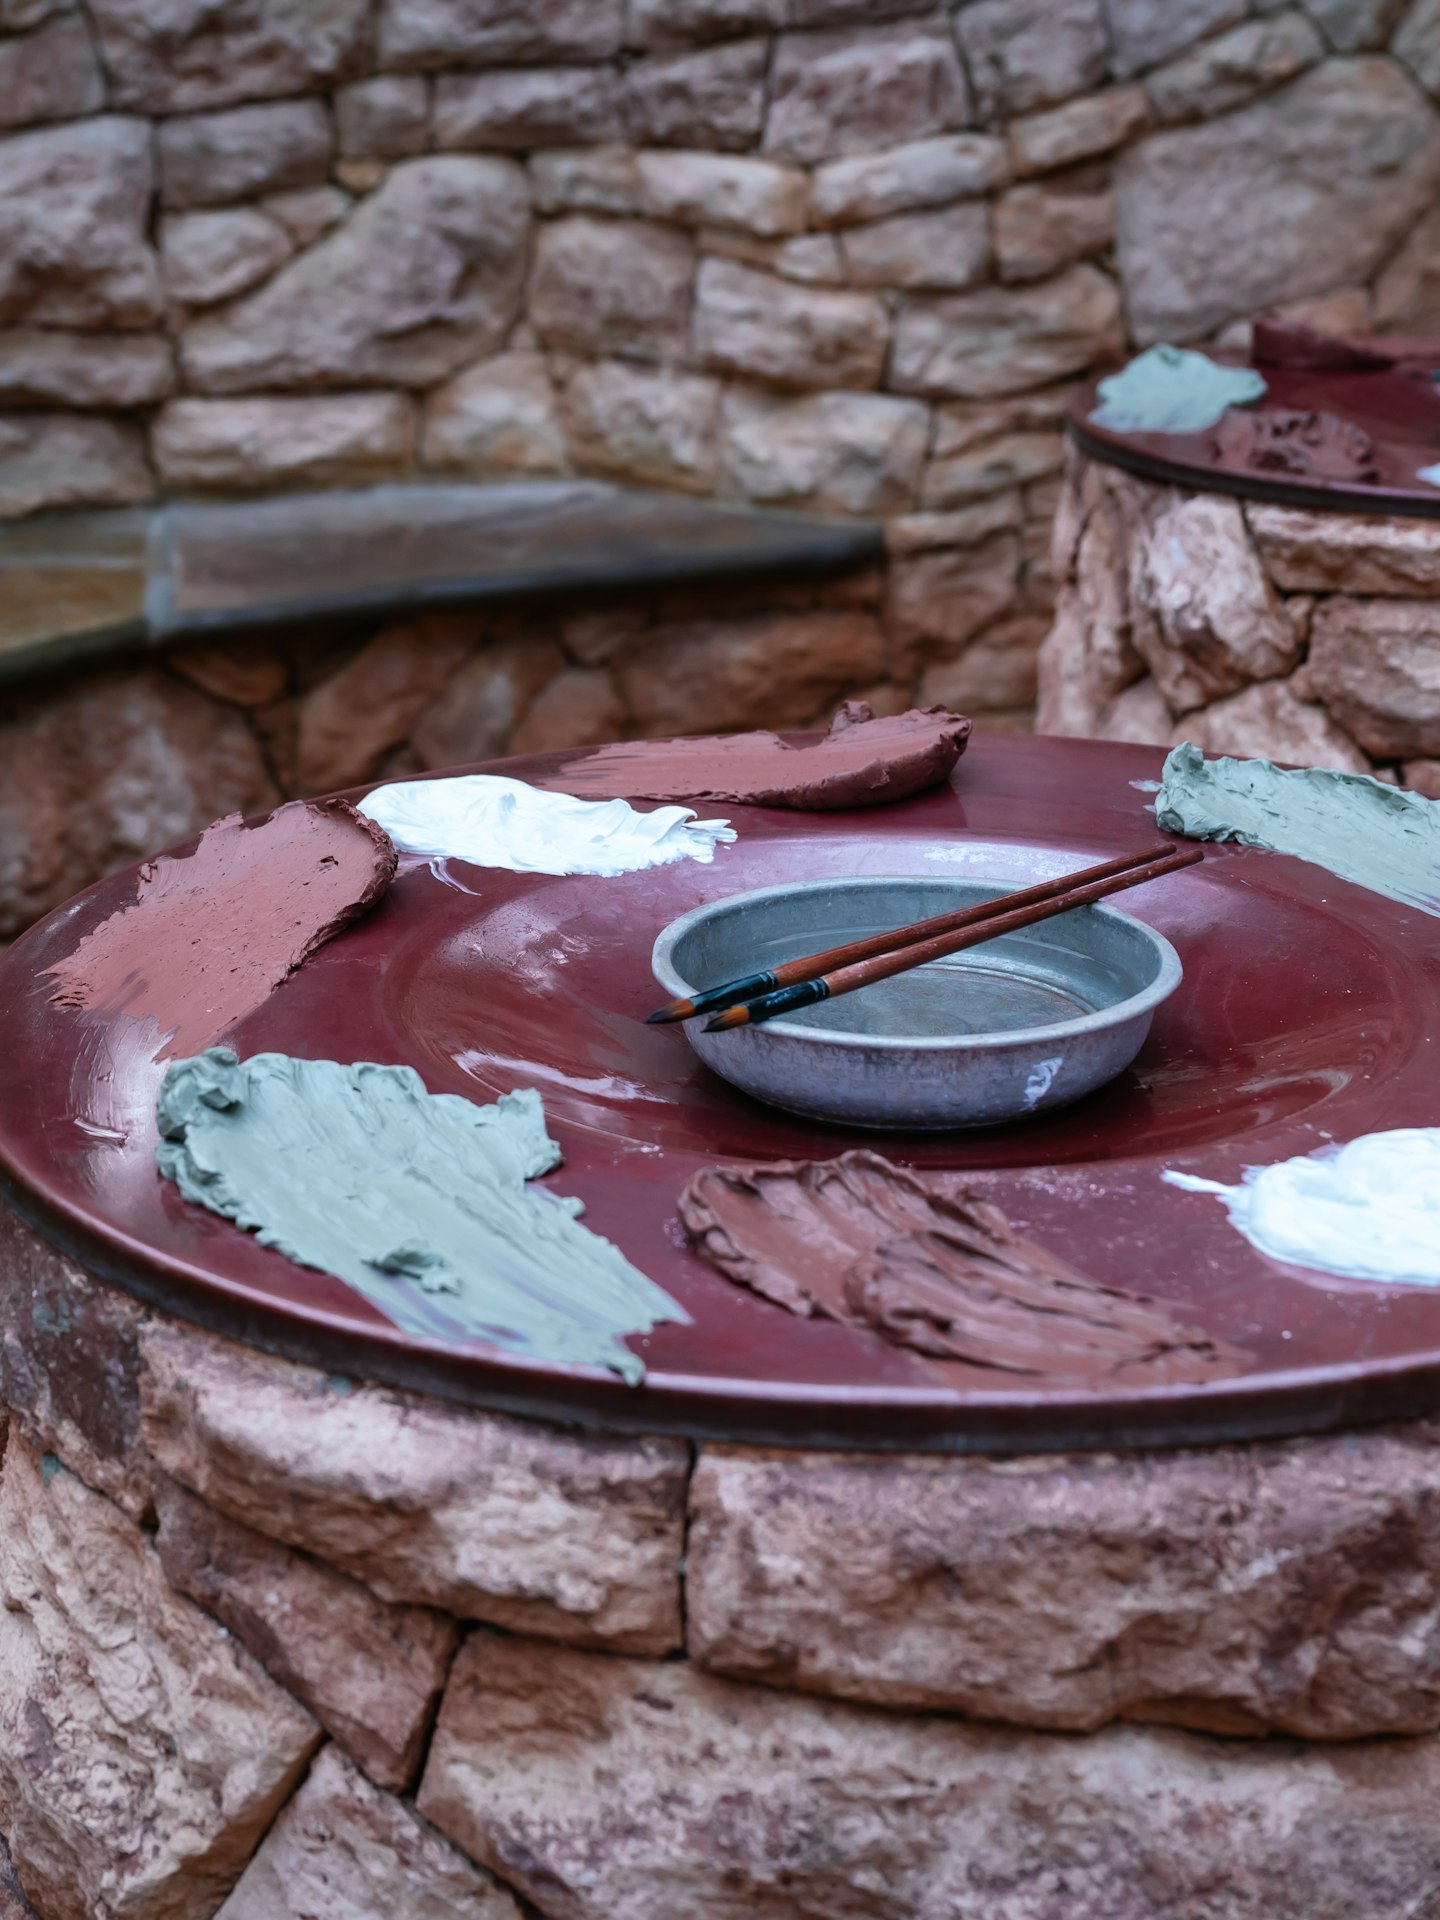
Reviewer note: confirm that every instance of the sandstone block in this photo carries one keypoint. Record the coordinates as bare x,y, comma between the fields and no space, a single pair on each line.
476,715
1231,1589
1376,666
1417,43
342,1850
239,446
423,277
479,33
705,675
578,708
74,207
1080,130
50,74
749,322
812,258
848,452
142,1754
527,107
611,286
1089,657
70,460
1356,553
384,118
628,1790
586,180
350,721
1139,717
207,159
715,98
923,173
1145,32
69,1366
1330,171
249,672
995,466
17,15
967,527
965,425
850,91
532,1528
1422,776
1030,53
1353,26
370,1673
104,771
592,634
679,23
939,599
1221,74
498,416
995,672
1407,292
726,190
1271,722
169,56
307,212
948,249
1001,339
209,257
1215,623
643,424
42,365
1042,227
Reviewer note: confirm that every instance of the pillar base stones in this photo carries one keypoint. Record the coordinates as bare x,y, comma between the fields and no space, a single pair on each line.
1297,635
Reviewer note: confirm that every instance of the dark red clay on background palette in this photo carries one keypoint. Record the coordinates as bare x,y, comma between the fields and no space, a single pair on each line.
1305,1017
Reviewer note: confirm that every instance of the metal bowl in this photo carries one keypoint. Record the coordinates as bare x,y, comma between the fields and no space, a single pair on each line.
1024,1023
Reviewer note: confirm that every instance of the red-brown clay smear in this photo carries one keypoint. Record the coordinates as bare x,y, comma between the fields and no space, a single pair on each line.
210,934
867,1243
1292,343
1315,445
861,762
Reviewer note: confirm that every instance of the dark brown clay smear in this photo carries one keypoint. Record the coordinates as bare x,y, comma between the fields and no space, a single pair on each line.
867,1243
212,933
861,762
1318,446
1292,343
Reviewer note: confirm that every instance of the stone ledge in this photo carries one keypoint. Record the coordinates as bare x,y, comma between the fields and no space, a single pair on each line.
79,588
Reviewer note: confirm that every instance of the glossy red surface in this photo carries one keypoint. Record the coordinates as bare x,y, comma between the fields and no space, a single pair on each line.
1398,407
1306,1016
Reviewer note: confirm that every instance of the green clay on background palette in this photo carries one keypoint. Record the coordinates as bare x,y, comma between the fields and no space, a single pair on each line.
1170,390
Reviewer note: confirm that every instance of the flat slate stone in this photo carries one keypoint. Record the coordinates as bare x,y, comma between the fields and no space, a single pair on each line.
80,587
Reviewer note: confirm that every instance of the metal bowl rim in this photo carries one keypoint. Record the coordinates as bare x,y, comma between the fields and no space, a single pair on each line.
1164,984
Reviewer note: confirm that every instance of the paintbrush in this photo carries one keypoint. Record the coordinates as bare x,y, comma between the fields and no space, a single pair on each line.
810,967
916,953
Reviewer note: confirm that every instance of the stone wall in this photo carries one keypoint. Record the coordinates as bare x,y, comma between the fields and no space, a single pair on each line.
279,1644
1311,638
803,252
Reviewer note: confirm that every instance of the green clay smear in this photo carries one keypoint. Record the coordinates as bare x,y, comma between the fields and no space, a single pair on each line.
418,1200
1170,390
1357,828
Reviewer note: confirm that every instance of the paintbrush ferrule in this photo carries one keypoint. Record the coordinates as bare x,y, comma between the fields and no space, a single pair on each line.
769,1006
717,999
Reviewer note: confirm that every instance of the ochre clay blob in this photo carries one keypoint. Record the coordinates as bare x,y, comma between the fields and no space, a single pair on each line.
1315,445
210,934
868,1243
419,1200
862,762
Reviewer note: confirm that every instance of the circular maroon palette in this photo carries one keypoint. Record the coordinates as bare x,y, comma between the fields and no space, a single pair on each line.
1305,1017
1397,407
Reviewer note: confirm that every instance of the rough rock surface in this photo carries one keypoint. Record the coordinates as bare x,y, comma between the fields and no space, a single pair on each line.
1089,657
215,256
1024,54
142,1755
1291,1588
208,159
70,460
920,173
1357,553
74,203
45,365
165,56
488,1518
69,1366
950,594
753,323
645,424
342,1850
1271,722
497,416
611,287
1215,621
848,452
1330,172
424,276
629,1790
1002,340
51,74
426,33
476,714
1376,666
382,118
346,725
243,445
714,98
106,772
778,670
370,1673
842,92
